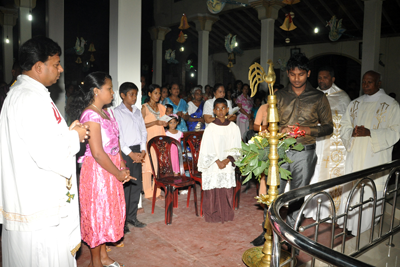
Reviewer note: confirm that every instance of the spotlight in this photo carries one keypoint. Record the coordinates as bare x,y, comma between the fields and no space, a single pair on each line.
236,44
30,16
7,40
182,49
192,74
316,30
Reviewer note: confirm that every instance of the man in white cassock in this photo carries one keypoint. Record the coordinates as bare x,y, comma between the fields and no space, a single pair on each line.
370,128
330,150
38,186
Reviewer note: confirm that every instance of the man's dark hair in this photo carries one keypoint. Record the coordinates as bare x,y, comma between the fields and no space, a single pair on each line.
299,61
328,69
37,49
220,101
126,87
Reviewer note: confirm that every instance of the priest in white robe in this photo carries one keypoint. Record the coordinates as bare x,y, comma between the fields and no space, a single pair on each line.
38,187
330,149
370,128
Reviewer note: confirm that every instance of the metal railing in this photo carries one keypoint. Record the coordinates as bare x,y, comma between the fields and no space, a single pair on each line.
285,234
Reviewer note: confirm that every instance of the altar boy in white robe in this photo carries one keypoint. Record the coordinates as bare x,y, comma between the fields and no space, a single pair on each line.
218,152
330,150
370,128
38,186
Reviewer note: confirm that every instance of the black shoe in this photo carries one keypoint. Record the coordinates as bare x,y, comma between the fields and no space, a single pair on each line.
136,223
126,229
259,241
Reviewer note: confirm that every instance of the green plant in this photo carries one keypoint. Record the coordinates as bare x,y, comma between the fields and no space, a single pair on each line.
254,159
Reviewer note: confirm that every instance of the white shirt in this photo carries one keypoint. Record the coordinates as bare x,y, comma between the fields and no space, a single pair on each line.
37,154
209,107
131,128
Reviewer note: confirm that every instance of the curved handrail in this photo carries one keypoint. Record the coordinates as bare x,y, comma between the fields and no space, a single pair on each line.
305,244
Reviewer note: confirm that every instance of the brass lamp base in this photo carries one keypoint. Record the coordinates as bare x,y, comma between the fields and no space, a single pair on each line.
252,257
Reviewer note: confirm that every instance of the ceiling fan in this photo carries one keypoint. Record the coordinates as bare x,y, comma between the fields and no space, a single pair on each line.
216,6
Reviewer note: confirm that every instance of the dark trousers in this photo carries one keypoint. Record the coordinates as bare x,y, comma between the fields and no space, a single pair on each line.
133,188
302,169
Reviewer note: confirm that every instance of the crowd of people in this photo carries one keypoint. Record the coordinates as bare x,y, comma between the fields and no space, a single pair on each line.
46,212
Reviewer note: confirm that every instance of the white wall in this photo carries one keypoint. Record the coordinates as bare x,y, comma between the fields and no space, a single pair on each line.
389,49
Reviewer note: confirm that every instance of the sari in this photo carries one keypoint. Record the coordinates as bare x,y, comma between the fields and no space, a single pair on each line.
196,125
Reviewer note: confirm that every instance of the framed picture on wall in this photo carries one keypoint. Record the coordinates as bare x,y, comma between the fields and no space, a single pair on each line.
294,51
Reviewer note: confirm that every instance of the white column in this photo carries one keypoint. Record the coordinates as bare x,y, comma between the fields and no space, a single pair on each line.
55,31
204,24
7,21
125,44
267,13
25,25
158,36
371,35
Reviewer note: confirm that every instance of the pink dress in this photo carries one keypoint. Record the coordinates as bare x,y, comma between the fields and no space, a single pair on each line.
101,195
174,150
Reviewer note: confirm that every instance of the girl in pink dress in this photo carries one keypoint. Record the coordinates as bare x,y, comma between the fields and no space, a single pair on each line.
177,135
103,171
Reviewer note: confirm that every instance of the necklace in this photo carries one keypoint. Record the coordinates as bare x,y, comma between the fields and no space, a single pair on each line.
154,108
101,111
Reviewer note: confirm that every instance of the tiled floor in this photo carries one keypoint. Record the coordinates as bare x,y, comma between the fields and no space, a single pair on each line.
190,241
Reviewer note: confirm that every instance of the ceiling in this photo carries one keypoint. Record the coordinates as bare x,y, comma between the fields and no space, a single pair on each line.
309,14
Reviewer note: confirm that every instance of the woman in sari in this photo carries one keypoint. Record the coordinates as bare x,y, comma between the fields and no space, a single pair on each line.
195,111
180,106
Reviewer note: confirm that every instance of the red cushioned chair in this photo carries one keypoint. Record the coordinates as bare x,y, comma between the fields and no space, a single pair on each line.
192,141
164,177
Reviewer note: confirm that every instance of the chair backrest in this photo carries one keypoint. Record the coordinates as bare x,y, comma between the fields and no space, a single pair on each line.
193,141
162,147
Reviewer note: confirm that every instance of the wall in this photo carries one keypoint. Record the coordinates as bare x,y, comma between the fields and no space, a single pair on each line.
389,49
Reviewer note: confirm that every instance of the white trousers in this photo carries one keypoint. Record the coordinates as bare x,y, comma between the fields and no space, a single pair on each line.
47,247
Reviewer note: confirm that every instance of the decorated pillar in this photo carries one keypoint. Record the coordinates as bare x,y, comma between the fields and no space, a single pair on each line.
25,19
371,35
204,24
55,31
158,36
267,14
8,18
125,46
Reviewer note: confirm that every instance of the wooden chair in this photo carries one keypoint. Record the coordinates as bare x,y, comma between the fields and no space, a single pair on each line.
164,176
192,141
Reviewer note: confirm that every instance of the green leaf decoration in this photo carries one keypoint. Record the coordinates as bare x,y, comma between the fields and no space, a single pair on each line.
285,174
298,147
245,146
290,141
248,178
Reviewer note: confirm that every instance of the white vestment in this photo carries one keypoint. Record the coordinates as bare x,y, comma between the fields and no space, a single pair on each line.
331,155
218,142
37,155
381,115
